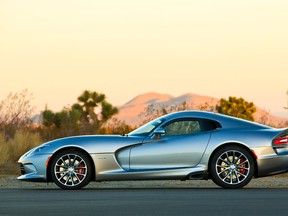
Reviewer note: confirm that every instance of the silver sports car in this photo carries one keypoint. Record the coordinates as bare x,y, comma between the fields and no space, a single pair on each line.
184,145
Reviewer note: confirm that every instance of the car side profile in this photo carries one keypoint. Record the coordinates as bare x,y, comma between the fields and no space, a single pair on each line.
183,145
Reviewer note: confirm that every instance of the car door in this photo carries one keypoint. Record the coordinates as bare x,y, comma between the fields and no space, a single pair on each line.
182,146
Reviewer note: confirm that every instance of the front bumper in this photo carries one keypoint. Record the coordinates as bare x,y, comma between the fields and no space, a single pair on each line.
33,168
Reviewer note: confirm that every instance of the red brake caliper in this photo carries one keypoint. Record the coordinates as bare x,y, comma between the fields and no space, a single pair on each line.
81,171
242,171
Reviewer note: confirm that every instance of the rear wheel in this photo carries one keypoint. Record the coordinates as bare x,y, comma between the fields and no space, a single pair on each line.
71,169
232,167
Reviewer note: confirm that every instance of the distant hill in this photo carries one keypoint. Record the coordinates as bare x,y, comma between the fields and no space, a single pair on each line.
131,111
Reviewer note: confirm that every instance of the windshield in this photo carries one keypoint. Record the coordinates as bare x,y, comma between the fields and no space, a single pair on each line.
146,129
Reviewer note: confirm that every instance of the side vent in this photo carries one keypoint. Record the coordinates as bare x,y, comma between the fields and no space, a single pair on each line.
198,176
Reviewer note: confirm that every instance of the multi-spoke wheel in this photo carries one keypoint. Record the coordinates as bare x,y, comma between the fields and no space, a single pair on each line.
71,169
232,167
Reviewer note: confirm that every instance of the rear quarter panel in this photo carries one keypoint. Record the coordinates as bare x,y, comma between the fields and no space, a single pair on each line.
258,141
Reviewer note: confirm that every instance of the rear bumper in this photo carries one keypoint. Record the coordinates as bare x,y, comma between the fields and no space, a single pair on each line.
271,165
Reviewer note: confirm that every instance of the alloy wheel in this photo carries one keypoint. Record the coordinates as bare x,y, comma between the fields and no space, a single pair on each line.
232,167
71,169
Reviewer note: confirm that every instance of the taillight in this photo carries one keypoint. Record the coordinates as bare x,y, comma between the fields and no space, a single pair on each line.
281,141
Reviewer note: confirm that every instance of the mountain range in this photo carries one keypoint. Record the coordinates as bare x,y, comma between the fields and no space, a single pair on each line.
133,112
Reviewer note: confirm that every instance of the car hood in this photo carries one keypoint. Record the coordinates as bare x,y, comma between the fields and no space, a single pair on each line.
92,144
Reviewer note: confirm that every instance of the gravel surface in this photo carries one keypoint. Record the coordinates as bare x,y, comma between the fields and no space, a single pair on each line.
279,181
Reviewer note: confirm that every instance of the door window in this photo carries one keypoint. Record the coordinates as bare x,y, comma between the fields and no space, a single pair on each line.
182,127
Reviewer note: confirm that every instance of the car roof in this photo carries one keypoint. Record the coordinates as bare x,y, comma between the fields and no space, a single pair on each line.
224,120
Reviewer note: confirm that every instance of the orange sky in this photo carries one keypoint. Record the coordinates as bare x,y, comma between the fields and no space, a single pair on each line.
58,48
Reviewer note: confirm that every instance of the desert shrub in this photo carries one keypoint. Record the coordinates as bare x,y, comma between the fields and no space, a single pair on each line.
4,150
116,126
15,112
21,143
11,149
237,107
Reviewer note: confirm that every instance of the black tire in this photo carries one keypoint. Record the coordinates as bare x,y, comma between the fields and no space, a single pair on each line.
232,167
71,169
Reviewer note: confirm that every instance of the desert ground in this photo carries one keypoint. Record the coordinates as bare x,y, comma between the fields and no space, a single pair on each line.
277,181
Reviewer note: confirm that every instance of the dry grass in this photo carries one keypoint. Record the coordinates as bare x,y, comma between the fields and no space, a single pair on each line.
12,149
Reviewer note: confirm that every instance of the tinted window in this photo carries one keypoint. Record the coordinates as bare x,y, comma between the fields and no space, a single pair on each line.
208,125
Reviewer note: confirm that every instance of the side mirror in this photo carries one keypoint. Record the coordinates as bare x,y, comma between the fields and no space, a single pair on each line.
159,132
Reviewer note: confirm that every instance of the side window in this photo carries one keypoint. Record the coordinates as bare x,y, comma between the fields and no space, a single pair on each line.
209,125
182,127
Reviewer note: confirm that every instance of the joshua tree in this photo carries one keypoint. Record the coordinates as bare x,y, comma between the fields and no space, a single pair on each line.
85,117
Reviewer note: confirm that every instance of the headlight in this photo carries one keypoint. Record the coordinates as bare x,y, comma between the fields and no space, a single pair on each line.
36,150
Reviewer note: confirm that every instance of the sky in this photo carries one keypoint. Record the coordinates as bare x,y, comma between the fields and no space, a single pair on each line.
58,48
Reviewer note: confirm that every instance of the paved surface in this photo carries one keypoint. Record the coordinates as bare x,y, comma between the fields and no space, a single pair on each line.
185,201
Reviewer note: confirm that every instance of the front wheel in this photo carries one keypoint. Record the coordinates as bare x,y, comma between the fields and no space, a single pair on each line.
232,167
71,169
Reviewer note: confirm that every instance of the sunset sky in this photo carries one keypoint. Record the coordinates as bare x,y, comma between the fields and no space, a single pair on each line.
58,48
